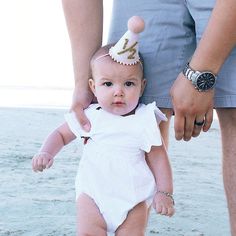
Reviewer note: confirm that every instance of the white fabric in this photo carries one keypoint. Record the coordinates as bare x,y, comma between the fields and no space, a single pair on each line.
113,170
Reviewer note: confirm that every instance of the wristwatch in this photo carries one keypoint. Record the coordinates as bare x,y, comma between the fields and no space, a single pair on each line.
202,81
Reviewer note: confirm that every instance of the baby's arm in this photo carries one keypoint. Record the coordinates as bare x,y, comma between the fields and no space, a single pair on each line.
158,162
51,146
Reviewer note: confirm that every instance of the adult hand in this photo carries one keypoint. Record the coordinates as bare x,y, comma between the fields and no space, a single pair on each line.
190,106
82,98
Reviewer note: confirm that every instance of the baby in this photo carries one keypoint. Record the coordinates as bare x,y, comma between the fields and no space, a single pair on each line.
124,167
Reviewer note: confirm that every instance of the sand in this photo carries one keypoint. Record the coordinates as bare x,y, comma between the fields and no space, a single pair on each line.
43,204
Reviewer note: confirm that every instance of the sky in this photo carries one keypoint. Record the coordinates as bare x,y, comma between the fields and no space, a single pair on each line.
35,53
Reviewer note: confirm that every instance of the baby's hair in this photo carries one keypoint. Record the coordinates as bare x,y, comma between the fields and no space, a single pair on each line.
141,60
99,53
104,51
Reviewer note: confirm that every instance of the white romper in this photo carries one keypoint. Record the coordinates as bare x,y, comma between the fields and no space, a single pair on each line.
113,170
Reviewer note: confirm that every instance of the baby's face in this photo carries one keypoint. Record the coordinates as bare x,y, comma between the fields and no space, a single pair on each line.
117,87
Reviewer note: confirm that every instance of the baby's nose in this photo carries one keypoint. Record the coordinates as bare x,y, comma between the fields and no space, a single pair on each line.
118,91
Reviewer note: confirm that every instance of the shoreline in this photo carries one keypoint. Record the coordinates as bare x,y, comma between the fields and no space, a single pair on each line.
35,97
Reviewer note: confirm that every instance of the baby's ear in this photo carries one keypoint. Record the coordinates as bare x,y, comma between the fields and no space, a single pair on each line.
143,85
92,86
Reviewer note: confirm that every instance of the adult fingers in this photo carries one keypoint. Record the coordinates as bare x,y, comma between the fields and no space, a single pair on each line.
82,118
197,125
188,128
179,122
208,120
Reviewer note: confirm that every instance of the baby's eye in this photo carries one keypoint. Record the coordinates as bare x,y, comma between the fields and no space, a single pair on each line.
129,83
108,84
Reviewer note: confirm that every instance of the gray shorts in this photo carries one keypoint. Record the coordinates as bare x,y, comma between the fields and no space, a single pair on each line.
173,29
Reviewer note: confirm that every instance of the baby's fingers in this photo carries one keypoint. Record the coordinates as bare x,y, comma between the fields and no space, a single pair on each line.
49,164
42,161
160,209
170,211
164,210
38,163
35,164
45,162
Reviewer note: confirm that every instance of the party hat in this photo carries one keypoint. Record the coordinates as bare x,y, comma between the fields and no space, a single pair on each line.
125,51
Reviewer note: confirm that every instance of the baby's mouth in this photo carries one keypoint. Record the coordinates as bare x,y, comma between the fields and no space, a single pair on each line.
118,103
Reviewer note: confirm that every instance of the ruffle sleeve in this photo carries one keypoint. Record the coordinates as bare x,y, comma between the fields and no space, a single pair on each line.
151,118
74,125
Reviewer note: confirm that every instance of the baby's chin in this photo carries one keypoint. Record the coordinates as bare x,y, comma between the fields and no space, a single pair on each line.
119,111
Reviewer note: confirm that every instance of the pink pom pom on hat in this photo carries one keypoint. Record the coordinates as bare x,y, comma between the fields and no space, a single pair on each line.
125,51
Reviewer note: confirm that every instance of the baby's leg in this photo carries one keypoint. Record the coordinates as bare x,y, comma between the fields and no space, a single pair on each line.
89,219
136,221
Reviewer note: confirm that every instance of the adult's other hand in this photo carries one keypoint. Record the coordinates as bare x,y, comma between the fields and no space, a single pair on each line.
190,107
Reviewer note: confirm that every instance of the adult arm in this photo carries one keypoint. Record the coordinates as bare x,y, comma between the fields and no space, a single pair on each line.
84,23
216,44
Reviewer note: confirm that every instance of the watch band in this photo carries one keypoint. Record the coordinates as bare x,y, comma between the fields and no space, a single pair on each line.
202,81
189,72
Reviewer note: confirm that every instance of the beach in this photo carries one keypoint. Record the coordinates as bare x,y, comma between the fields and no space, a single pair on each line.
43,204
36,80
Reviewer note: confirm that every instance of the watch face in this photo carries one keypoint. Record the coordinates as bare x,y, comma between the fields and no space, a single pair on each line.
205,81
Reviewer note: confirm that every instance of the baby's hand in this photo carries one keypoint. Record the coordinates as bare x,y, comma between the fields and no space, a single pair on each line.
41,161
163,203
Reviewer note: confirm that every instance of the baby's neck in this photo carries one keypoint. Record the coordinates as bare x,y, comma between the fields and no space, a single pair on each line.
131,112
